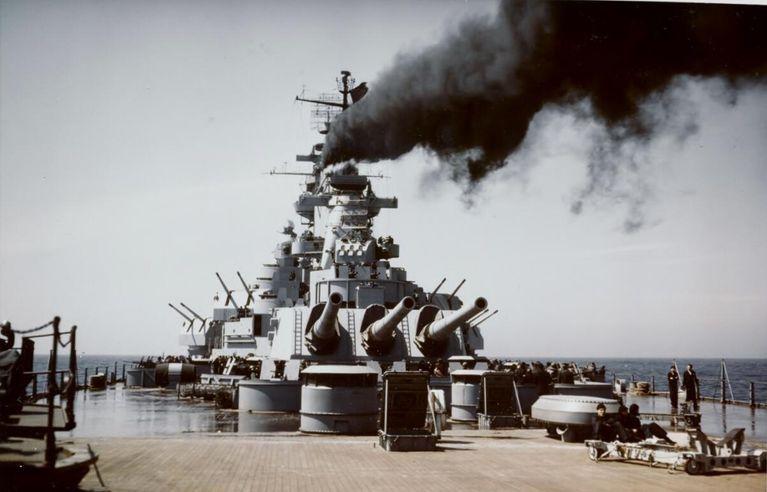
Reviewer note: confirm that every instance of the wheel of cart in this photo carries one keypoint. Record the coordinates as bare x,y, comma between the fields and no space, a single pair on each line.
597,449
595,453
693,466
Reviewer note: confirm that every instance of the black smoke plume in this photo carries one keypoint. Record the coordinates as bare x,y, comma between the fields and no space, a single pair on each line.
470,99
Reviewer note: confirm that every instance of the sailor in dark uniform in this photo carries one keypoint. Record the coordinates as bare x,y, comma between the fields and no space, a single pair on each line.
607,428
7,332
636,430
566,375
673,388
690,385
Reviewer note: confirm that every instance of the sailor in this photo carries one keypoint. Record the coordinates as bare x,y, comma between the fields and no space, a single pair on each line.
541,378
10,337
673,388
691,384
521,374
605,427
589,371
633,432
566,375
441,368
636,429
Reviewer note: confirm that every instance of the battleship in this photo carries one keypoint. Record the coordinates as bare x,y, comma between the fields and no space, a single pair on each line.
331,318
332,294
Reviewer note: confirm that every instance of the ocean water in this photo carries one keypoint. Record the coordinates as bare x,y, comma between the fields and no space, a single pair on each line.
741,372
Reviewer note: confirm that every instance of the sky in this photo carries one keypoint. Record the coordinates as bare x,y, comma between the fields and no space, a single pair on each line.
136,140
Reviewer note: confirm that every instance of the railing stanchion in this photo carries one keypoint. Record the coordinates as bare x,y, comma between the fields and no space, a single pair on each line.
50,435
722,397
752,393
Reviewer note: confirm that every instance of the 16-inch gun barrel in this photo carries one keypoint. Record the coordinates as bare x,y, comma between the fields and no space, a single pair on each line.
322,329
432,338
440,330
325,327
383,328
378,335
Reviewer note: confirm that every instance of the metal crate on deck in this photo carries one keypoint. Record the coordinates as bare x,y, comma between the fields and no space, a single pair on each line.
498,402
403,413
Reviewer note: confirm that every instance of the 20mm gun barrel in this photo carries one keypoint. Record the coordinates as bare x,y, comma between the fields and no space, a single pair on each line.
378,336
322,331
433,337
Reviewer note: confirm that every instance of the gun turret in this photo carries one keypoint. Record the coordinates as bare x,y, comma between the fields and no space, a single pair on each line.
322,332
432,338
378,334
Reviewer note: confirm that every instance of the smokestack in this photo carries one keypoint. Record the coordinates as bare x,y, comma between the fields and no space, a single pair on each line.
471,98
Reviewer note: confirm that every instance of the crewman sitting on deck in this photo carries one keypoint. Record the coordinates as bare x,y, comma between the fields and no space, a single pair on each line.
605,427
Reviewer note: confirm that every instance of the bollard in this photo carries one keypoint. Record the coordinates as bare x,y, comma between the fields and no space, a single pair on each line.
652,384
752,392
123,378
85,383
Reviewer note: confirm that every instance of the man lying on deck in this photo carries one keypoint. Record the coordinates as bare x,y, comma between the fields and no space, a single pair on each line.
636,430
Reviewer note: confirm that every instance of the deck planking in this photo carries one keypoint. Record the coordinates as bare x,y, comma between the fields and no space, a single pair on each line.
522,459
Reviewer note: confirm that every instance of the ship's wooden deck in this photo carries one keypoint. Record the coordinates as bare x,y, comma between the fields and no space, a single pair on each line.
467,460
36,416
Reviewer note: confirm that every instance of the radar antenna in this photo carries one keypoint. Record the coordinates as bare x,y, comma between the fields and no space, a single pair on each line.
328,105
